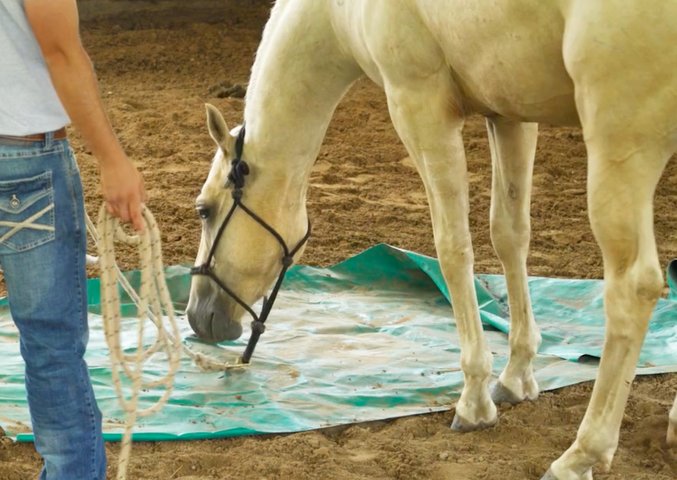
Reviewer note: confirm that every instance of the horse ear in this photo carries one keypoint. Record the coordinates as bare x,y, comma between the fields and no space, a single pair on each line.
218,130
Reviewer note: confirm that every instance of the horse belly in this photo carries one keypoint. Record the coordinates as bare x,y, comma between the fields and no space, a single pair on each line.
519,92
506,57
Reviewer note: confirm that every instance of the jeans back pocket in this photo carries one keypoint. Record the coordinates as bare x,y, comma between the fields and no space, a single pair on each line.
27,212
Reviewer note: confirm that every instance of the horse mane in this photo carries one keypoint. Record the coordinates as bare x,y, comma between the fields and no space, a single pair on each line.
259,56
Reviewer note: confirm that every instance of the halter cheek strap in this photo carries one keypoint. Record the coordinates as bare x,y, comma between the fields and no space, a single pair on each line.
239,170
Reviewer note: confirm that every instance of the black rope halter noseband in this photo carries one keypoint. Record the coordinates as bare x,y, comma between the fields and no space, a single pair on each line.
239,170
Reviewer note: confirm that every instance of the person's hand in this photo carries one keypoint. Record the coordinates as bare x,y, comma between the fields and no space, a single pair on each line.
123,191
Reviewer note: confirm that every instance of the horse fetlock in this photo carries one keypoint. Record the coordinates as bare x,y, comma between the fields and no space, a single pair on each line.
594,446
476,416
600,446
514,389
474,410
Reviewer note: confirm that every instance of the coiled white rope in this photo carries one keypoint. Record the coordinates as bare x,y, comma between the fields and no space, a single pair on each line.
153,298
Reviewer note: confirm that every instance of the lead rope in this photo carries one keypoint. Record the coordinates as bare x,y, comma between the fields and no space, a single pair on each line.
152,299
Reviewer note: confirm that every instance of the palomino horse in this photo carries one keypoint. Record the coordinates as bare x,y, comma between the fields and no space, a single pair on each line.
610,67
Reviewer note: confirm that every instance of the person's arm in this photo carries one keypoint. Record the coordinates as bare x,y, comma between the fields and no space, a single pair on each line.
55,24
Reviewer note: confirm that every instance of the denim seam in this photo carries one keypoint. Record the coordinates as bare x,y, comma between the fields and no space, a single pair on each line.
81,323
71,189
73,168
83,380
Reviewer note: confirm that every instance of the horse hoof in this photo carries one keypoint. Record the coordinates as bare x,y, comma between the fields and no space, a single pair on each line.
462,426
500,394
549,476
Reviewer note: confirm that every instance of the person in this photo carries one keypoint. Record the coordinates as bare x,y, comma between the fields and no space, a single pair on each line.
46,83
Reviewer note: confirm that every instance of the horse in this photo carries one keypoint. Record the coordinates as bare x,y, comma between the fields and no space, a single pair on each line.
606,67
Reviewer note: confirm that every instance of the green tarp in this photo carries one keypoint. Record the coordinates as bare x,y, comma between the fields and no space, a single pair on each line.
368,339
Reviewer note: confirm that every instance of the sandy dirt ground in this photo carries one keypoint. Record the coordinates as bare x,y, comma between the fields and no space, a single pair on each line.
157,63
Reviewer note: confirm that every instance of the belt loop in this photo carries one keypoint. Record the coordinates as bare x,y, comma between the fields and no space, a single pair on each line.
49,140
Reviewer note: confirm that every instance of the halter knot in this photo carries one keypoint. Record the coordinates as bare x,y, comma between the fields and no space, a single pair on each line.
238,171
258,327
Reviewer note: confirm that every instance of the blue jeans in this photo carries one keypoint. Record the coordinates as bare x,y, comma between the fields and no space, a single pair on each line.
44,267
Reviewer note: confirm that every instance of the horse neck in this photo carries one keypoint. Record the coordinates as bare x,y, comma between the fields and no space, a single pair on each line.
299,77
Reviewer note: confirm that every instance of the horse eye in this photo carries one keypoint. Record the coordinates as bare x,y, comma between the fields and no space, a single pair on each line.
204,212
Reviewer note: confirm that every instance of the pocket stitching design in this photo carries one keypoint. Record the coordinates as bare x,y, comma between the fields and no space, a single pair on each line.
50,235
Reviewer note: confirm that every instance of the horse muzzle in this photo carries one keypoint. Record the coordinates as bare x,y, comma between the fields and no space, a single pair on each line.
210,322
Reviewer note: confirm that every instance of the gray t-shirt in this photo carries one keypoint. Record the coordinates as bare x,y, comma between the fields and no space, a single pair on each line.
28,102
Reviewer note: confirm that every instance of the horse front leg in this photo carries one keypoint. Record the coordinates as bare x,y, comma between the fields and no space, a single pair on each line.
431,132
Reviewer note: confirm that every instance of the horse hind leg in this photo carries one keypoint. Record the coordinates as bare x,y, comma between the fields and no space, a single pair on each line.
623,172
513,148
626,101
